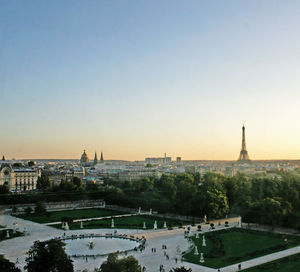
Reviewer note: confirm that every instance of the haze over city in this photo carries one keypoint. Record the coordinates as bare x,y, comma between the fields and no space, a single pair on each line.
137,79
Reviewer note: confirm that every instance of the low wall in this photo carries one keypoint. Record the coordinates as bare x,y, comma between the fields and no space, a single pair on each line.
56,206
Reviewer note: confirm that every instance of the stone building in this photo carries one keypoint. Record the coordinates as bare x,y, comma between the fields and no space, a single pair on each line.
84,160
18,178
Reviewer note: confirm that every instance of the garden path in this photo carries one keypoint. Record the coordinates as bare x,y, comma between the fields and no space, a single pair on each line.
16,248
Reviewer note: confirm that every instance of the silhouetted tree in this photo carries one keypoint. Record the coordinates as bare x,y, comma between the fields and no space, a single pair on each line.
48,256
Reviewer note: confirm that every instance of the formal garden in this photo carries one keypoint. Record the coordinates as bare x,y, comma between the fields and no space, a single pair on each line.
226,247
127,222
56,216
290,264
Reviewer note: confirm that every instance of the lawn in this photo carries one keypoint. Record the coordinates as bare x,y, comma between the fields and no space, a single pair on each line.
128,222
11,234
232,246
74,214
287,264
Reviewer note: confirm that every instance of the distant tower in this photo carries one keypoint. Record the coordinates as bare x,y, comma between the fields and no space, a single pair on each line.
244,153
3,158
101,158
95,158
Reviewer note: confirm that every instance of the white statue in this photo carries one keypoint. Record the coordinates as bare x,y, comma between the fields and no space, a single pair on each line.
81,224
139,210
144,226
155,225
190,231
165,225
112,223
203,241
7,234
196,251
66,226
201,258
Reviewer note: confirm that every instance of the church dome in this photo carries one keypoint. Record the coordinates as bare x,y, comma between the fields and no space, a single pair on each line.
84,157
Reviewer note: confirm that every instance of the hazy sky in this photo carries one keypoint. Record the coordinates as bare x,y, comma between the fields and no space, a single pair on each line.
139,78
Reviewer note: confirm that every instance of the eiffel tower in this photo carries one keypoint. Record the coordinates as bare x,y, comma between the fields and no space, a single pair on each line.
244,153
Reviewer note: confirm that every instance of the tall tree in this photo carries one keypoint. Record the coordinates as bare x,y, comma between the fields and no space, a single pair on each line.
113,264
48,256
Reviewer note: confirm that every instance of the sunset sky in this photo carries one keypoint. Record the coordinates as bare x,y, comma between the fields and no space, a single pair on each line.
139,78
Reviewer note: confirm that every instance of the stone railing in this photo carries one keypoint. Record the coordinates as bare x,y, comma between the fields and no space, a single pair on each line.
56,206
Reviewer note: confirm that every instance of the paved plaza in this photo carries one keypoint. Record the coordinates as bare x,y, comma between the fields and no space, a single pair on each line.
15,249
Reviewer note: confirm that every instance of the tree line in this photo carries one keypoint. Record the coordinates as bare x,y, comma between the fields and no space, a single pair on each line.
258,199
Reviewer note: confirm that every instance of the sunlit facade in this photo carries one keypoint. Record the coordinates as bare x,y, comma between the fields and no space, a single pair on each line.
18,179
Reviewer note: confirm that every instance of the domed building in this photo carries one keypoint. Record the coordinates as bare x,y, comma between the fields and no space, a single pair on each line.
84,158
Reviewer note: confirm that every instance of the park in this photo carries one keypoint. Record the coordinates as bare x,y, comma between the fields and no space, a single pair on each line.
225,244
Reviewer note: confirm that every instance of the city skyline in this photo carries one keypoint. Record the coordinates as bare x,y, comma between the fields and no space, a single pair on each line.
138,79
243,156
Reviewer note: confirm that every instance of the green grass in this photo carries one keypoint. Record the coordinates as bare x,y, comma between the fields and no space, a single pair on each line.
11,234
239,245
287,264
128,222
74,214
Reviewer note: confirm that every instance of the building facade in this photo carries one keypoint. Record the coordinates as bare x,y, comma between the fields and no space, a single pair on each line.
19,178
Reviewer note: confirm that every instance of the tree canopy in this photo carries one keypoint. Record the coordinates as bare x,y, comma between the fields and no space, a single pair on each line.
128,264
48,256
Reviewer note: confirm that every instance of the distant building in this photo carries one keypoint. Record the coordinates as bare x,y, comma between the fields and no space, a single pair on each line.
163,160
84,160
190,169
18,178
178,159
136,174
78,172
